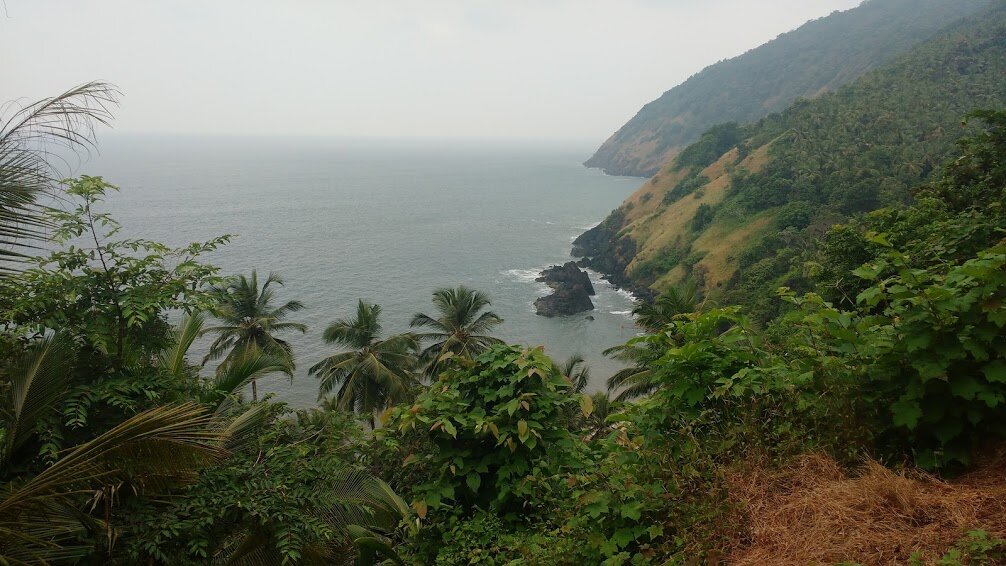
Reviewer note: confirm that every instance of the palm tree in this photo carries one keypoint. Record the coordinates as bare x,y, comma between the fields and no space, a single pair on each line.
669,304
40,513
635,380
371,374
31,164
576,371
460,329
251,322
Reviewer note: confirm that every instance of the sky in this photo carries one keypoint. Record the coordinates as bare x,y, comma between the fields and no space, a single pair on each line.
506,69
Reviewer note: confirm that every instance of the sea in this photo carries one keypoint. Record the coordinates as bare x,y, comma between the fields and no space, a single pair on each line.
388,221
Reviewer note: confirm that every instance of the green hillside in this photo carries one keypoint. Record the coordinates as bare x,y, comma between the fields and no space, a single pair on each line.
820,56
736,211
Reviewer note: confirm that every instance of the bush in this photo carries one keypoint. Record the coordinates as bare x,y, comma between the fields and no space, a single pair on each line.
928,345
496,423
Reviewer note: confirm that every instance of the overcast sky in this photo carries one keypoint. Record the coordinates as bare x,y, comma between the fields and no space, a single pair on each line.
548,69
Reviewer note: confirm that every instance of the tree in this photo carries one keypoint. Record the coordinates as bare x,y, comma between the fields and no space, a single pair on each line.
372,374
29,166
250,321
291,494
576,371
149,453
460,329
112,296
498,422
669,304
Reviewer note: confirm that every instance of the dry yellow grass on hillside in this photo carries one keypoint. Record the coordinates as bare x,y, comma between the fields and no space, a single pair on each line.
814,512
656,228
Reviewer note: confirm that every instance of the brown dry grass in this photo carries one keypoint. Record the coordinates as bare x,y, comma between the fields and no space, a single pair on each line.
815,513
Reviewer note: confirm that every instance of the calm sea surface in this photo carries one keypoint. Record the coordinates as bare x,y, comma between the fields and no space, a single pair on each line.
387,221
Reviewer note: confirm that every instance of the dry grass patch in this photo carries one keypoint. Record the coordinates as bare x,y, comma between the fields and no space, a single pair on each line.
816,513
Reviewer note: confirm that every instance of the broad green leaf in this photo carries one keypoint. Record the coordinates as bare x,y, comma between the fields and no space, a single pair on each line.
995,371
474,481
907,413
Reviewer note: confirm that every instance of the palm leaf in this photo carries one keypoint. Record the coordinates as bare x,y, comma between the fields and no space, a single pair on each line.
34,140
155,449
37,381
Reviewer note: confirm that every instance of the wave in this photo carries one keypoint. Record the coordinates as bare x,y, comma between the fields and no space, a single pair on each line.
622,313
523,275
625,293
528,276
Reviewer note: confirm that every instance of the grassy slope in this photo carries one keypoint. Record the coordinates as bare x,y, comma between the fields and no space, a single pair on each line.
878,137
818,57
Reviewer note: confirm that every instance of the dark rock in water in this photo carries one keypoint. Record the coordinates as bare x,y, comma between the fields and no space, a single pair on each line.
571,291
564,302
566,276
590,317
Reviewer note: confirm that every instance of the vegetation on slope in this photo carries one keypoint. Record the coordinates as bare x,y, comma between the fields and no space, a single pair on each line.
818,57
740,224
738,440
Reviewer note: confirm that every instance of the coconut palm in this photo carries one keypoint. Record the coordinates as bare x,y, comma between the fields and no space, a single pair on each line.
34,140
669,304
635,380
40,513
576,371
461,328
250,322
371,373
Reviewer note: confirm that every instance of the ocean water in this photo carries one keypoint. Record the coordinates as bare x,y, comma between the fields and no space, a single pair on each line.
386,221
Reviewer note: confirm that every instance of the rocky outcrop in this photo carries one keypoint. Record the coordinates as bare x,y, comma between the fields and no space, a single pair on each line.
603,250
571,291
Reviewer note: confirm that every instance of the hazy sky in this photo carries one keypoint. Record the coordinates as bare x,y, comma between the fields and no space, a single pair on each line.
574,69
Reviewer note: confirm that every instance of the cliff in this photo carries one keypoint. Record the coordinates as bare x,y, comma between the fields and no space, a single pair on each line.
736,222
818,57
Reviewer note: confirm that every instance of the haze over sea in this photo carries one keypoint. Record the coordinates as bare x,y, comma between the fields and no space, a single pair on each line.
383,220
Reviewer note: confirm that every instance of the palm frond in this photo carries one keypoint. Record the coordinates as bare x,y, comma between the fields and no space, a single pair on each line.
38,379
172,359
245,366
34,142
155,449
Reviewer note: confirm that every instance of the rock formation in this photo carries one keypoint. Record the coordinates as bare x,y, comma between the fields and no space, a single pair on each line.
571,291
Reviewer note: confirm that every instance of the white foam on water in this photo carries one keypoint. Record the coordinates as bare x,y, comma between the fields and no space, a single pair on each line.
523,275
529,276
625,293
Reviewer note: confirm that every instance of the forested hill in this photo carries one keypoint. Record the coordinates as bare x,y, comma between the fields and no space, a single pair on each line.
735,211
820,56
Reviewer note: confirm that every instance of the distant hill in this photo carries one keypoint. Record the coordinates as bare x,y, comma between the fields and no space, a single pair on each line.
820,56
733,210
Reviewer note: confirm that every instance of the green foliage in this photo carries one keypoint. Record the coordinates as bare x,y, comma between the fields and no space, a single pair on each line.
376,373
287,497
486,539
716,141
822,55
110,298
109,294
494,421
930,345
250,320
976,549
687,186
703,217
460,328
659,264
30,161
